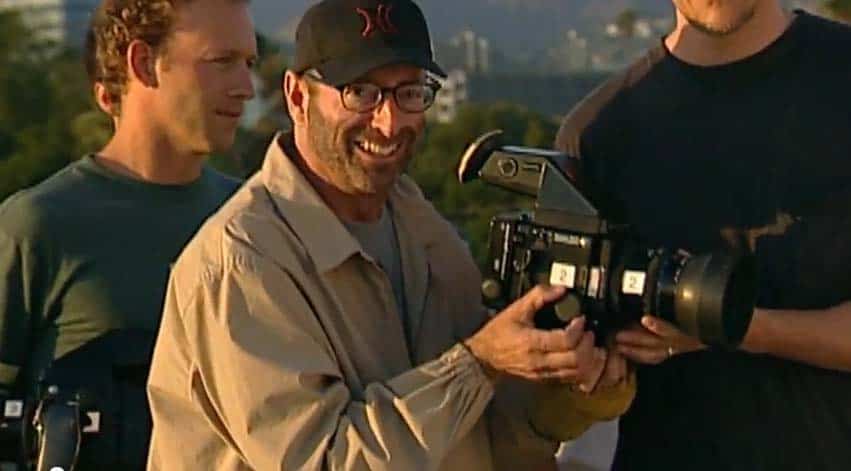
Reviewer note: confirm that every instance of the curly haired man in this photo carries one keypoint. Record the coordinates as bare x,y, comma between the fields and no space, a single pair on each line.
85,255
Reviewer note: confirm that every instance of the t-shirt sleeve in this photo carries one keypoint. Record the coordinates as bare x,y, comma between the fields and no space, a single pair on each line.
594,132
587,128
15,307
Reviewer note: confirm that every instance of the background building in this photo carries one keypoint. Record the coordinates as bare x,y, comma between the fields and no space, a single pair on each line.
452,95
59,22
470,52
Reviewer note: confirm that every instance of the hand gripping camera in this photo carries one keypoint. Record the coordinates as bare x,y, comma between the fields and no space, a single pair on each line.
612,277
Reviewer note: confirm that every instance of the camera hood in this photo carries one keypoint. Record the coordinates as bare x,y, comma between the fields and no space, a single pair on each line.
533,172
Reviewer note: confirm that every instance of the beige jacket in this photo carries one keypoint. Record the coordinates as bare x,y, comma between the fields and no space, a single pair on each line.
281,347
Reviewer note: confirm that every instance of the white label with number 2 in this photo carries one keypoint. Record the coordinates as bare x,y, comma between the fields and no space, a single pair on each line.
633,282
563,274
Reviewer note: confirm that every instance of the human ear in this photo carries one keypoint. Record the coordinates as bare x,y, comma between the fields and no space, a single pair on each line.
141,61
296,96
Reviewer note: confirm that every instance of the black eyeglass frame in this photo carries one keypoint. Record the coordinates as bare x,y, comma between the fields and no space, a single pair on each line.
435,86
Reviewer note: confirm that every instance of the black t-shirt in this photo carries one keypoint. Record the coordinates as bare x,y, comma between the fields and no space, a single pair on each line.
682,151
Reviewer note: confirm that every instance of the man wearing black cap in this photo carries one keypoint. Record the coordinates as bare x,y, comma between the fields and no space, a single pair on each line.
328,318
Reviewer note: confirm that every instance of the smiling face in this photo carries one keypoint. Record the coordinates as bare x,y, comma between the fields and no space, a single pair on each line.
204,74
717,17
362,153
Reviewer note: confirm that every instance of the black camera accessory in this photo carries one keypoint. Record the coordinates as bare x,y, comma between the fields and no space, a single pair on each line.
57,421
16,432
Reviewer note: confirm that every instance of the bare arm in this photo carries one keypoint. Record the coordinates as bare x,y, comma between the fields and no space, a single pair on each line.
819,337
815,337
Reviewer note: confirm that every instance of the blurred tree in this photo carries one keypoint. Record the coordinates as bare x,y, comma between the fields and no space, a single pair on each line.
91,130
625,21
273,116
270,67
42,91
839,9
471,206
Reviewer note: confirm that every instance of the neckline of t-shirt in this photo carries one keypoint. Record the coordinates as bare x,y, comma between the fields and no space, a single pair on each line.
378,224
778,47
88,164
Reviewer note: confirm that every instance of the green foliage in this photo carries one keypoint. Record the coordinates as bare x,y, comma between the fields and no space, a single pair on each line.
45,107
625,22
839,9
90,130
471,206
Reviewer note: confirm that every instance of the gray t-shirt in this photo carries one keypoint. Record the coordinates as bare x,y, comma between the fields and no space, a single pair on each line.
87,252
378,239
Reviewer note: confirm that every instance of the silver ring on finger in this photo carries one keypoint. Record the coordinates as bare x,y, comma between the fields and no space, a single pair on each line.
670,351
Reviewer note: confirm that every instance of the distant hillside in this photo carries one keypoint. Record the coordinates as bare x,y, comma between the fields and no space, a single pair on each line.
515,26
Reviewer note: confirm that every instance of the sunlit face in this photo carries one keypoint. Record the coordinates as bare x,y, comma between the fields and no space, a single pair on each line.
717,17
204,74
364,153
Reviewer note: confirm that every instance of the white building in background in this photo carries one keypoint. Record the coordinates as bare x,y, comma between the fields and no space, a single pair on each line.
451,96
61,22
475,51
570,54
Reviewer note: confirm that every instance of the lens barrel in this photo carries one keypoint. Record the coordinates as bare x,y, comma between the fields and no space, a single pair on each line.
709,296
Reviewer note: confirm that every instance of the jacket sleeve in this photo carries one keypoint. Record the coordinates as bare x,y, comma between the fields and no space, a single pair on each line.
527,421
268,381
564,413
515,444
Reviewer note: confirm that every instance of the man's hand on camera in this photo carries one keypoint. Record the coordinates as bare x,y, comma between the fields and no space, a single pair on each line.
509,344
654,341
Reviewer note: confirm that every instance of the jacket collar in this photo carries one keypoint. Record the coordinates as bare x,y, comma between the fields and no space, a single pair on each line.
326,239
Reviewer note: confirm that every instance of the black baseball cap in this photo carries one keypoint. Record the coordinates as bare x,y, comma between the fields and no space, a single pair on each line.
345,39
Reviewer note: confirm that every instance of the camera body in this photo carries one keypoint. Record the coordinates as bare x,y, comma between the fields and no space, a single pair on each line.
523,254
613,278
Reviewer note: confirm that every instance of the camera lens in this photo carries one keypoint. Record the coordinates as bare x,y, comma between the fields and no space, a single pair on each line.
714,297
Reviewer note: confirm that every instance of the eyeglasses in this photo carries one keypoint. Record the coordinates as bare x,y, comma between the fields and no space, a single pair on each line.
362,97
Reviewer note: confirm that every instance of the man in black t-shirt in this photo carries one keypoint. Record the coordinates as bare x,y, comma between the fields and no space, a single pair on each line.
738,123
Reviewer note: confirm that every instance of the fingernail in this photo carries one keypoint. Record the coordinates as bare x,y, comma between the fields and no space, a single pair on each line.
647,321
599,354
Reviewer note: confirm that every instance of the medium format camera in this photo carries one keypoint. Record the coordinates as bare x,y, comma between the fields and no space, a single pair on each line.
613,278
